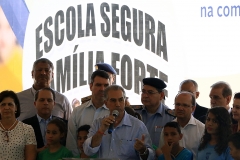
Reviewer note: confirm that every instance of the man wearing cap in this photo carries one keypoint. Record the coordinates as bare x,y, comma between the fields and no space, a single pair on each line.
154,112
111,72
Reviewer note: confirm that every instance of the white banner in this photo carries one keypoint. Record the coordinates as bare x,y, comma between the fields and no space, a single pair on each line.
171,40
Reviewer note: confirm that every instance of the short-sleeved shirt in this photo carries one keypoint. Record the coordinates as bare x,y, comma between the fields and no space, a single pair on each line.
63,152
209,153
185,154
156,122
20,136
62,108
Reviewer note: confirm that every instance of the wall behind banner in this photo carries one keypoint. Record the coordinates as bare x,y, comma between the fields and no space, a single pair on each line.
171,40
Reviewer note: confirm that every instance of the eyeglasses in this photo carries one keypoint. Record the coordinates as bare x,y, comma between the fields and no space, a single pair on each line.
149,92
5,137
183,105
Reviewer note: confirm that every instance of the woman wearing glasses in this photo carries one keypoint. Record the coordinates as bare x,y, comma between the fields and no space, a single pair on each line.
17,140
236,112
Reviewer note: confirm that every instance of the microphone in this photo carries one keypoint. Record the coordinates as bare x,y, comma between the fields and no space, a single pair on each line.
110,129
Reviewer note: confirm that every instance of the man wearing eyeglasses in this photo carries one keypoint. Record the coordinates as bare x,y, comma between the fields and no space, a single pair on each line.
220,96
191,128
154,112
190,85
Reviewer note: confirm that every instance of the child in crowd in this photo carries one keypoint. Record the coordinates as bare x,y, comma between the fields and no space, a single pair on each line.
56,131
81,137
214,143
171,150
234,145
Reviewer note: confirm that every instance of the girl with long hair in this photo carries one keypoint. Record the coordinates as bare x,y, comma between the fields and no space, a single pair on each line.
55,134
214,143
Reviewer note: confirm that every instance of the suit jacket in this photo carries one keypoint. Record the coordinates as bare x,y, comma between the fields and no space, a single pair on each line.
202,110
200,113
33,121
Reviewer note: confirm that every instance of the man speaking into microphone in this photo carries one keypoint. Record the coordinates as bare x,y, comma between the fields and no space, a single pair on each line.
128,137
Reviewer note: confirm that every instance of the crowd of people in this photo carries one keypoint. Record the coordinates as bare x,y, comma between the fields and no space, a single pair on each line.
39,123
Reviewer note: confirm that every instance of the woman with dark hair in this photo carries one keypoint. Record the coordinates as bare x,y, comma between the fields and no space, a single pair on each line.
55,134
214,143
17,140
236,112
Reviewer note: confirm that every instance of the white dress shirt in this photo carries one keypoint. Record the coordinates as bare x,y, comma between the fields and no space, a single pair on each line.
192,134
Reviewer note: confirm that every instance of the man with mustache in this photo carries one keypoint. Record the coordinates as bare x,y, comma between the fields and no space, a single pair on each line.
154,113
42,74
89,111
44,101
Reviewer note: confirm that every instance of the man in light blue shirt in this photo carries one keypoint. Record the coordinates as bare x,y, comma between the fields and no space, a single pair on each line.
89,111
129,139
154,113
43,126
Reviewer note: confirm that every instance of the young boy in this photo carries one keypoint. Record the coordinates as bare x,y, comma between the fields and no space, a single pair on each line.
234,145
171,150
81,137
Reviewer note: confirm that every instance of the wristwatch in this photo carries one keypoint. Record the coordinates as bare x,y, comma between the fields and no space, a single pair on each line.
144,153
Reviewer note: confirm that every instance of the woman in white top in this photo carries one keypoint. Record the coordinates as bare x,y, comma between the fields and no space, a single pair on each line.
17,140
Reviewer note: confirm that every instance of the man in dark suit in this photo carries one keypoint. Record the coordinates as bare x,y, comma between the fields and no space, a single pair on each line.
190,85
44,101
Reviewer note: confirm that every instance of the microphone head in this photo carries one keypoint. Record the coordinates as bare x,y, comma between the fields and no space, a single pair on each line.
115,113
